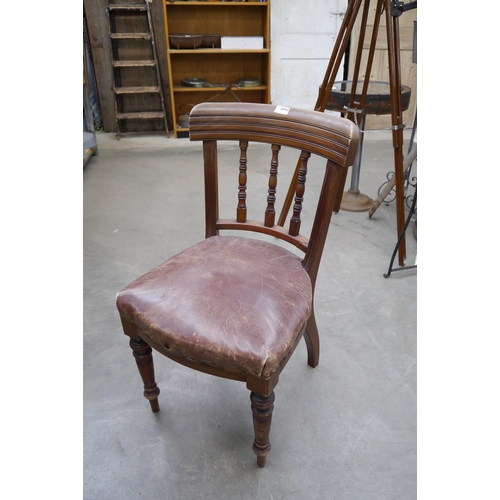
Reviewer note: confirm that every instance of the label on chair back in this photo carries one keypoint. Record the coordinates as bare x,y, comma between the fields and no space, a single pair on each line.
282,110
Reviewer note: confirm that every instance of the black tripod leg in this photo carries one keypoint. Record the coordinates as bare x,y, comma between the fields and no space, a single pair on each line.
401,236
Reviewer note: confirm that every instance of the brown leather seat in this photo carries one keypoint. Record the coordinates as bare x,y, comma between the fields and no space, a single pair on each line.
232,306
224,302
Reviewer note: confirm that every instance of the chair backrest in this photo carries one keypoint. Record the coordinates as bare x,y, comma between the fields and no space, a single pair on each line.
309,132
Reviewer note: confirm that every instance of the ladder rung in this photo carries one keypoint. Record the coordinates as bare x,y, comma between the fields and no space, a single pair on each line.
136,90
129,36
125,64
127,6
140,115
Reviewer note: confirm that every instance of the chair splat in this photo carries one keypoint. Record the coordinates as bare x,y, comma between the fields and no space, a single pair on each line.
241,211
270,213
299,194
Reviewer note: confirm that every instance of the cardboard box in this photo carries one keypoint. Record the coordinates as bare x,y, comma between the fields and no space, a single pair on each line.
242,42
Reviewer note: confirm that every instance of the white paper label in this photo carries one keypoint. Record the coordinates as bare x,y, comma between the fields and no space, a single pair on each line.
282,110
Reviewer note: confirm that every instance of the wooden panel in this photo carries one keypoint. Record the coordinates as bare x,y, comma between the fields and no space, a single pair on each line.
380,68
405,36
100,45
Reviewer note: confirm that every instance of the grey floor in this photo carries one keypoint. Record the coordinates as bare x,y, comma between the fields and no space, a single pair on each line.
349,428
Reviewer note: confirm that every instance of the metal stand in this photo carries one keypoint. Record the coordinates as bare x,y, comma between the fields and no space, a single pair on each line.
393,9
353,200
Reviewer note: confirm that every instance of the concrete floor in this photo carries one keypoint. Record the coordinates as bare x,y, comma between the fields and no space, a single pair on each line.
349,428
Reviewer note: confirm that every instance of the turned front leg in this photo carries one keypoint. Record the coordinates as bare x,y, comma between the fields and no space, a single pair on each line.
262,409
144,359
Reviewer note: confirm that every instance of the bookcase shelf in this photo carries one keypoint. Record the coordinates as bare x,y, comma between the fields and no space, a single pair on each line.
221,68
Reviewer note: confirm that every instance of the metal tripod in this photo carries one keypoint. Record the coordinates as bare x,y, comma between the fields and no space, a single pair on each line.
392,9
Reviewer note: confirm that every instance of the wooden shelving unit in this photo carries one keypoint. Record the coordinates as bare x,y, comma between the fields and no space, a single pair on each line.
221,68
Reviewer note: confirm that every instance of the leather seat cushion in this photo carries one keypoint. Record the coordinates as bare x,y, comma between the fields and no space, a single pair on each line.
227,301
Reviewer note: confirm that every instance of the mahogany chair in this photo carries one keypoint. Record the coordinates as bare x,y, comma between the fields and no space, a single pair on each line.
232,306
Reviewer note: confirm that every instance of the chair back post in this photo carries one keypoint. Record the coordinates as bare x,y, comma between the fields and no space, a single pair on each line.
333,184
211,187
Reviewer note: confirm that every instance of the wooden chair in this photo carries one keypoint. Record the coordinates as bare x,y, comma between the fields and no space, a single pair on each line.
233,306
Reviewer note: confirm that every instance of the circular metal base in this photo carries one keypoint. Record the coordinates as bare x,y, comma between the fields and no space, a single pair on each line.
354,201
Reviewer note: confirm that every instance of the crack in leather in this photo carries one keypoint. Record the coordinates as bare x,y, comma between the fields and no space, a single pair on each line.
226,301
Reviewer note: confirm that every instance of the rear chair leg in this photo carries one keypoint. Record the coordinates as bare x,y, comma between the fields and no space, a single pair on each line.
311,337
262,409
144,359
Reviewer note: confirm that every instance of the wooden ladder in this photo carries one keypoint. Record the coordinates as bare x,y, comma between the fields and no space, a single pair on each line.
131,73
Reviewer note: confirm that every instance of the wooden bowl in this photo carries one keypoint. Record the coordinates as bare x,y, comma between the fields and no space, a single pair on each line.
185,40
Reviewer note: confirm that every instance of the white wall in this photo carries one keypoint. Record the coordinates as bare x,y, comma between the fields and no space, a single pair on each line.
303,33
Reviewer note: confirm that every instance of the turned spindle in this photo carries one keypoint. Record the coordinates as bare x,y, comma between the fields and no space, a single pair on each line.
299,194
241,211
270,213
